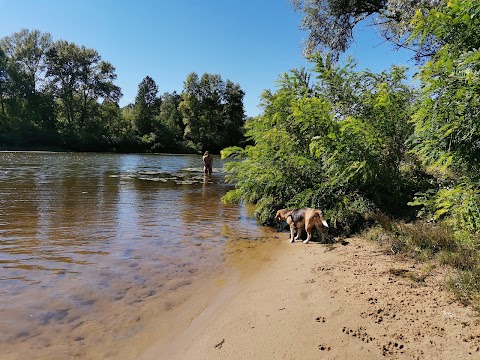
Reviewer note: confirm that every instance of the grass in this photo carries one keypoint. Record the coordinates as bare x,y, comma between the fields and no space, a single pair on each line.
433,242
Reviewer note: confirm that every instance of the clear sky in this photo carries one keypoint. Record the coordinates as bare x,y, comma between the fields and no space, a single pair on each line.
250,42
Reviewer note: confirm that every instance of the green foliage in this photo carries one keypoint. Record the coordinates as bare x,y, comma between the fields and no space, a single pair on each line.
447,127
79,78
26,111
457,206
170,120
62,95
441,157
146,106
330,23
212,112
336,145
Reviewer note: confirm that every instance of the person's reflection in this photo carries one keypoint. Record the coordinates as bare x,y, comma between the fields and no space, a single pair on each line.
208,182
204,185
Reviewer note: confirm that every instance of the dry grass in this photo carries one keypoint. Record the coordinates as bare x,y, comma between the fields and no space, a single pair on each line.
432,242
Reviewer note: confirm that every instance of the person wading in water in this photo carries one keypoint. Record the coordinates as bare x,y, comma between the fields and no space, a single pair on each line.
207,163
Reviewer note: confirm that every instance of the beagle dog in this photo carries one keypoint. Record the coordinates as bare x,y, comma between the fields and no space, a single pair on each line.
298,219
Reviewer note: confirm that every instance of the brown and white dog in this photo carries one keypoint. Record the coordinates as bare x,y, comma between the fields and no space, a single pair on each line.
298,219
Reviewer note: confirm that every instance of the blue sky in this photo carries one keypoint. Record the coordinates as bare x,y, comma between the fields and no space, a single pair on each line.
250,42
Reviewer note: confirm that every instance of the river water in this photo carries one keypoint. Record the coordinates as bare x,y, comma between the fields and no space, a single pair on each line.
97,249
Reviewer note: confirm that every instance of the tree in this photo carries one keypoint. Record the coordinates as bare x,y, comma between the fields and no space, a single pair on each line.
315,147
26,106
212,111
113,131
330,23
232,132
26,50
4,84
80,79
146,106
447,127
446,132
201,108
170,119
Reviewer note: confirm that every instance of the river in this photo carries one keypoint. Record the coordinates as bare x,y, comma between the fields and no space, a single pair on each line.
96,250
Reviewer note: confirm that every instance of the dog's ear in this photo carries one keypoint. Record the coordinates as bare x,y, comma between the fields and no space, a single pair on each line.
279,215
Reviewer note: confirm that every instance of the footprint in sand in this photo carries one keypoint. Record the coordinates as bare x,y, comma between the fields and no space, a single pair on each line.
324,347
391,348
360,334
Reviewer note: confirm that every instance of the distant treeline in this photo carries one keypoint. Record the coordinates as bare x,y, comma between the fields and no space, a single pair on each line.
59,95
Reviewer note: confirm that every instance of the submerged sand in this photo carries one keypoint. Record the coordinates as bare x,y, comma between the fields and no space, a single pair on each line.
349,300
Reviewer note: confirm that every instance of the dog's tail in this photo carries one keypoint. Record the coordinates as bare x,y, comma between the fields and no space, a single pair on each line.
319,213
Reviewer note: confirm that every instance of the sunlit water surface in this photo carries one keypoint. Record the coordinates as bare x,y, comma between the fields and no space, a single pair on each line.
91,242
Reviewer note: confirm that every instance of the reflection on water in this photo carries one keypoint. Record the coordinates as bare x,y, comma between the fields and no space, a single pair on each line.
89,241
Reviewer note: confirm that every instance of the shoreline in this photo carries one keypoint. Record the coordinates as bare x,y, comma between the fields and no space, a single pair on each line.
177,329
337,301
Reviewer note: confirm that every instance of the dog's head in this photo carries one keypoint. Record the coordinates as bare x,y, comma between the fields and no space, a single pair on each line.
281,215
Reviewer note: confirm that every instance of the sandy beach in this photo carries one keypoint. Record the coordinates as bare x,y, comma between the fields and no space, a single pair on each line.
349,300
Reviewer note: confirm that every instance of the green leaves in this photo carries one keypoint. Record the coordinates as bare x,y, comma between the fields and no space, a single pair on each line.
233,152
62,95
447,128
335,144
79,78
212,111
351,142
146,107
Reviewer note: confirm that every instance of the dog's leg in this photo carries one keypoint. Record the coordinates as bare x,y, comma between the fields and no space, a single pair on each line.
309,225
309,236
321,231
292,233
299,233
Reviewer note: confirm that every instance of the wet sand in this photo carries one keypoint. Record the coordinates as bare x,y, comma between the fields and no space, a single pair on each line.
131,319
341,301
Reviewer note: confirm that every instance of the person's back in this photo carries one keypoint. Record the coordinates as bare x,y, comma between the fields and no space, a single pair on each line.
207,163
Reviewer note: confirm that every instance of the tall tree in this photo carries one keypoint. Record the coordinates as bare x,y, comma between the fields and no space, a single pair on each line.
171,119
146,106
191,108
26,50
330,23
30,107
80,78
212,111
231,128
447,126
4,83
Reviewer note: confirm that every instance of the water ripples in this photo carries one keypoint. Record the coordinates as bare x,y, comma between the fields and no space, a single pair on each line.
85,239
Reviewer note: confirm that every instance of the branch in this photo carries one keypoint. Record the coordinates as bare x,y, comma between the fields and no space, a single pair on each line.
418,53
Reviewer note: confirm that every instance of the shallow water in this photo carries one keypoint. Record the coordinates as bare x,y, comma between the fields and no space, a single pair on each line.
96,248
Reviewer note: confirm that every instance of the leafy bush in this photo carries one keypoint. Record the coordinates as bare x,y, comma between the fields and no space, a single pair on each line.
337,145
447,128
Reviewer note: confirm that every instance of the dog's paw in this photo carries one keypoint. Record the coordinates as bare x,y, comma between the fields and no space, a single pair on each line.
292,240
306,241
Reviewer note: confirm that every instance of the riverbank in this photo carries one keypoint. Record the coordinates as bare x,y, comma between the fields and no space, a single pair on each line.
340,301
